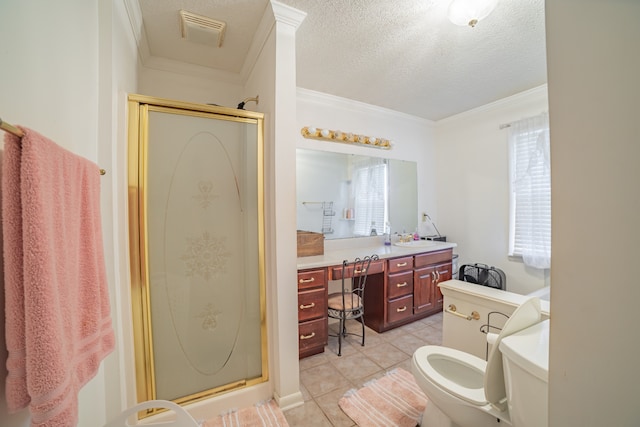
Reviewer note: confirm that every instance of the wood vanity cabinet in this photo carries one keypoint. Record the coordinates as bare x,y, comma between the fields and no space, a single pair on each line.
430,269
312,311
399,291
409,290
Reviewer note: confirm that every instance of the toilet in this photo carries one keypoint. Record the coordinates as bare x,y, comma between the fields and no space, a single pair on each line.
466,391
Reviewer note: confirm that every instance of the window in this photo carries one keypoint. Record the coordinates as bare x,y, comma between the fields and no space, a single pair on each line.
370,182
530,181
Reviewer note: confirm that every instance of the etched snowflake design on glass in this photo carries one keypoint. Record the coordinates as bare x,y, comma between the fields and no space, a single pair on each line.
206,195
205,256
209,316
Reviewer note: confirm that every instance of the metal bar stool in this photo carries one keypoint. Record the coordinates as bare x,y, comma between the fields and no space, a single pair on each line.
349,303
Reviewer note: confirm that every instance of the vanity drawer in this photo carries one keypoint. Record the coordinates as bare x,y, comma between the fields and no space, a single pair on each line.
312,335
433,258
400,264
400,309
375,267
399,284
312,278
312,304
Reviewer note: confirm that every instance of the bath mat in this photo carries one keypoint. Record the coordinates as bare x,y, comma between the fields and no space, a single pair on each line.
394,400
267,414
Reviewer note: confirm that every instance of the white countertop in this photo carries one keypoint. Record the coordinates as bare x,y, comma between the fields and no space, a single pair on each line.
335,256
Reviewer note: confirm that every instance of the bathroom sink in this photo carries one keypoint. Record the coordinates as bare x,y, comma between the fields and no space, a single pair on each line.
416,244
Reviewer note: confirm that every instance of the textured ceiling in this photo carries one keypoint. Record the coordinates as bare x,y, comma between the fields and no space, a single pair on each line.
399,54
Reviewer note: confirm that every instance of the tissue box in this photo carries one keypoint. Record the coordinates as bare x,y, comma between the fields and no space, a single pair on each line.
310,243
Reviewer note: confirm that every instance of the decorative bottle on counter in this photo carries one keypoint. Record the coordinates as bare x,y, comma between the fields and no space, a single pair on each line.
387,234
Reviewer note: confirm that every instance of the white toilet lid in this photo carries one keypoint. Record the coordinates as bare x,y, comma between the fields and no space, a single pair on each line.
527,314
472,393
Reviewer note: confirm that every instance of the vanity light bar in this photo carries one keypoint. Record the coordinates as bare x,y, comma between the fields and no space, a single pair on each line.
345,137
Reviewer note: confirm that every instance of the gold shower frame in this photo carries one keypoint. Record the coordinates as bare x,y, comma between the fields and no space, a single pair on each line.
139,107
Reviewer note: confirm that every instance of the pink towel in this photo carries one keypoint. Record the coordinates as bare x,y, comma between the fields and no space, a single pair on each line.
58,324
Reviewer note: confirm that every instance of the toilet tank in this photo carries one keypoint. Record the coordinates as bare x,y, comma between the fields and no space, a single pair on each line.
493,306
525,357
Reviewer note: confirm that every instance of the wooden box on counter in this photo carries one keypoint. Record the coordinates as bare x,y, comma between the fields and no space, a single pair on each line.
310,243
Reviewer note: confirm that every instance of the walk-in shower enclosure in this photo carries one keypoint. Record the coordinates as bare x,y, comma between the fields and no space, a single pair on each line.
196,220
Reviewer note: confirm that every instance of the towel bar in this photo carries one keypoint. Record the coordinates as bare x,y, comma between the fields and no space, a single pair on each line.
18,132
453,310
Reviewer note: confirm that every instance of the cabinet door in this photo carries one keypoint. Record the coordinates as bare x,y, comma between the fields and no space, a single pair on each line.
443,273
423,293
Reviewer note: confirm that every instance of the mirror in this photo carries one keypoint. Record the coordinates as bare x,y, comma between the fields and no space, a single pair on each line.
346,195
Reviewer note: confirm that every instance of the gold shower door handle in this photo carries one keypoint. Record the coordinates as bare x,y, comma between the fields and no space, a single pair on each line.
453,310
306,337
302,307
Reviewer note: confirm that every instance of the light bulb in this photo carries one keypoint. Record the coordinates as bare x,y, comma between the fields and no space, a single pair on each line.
469,12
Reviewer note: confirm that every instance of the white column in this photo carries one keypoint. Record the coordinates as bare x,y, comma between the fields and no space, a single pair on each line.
283,172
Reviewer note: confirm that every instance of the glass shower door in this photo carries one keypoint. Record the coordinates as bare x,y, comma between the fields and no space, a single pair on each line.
199,281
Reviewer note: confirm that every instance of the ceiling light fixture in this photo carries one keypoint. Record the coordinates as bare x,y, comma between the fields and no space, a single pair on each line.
469,12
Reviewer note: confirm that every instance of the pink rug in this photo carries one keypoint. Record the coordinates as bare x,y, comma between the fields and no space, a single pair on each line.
266,414
394,400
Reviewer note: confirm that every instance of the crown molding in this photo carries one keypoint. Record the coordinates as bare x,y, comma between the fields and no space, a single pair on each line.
192,70
134,13
521,97
312,96
257,44
287,14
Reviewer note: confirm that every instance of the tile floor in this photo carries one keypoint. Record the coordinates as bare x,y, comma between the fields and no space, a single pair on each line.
325,377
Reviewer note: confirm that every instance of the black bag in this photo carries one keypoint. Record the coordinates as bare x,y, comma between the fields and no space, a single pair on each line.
484,275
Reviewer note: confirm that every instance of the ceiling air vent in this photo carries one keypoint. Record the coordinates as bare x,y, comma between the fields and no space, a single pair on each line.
200,29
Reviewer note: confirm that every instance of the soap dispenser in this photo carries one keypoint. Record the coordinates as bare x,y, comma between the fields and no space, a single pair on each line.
387,234
373,229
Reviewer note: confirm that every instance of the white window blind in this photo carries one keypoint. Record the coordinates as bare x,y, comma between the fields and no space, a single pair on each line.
530,179
370,182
